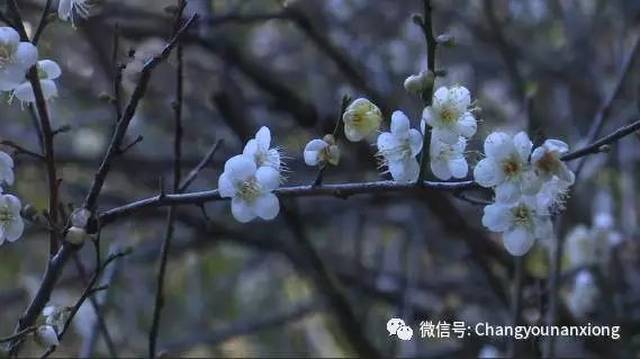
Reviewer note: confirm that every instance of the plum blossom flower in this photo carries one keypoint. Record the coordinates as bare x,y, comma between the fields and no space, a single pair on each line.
361,119
584,295
250,188
259,149
448,160
399,148
6,169
71,10
46,336
521,223
580,247
546,161
449,114
322,151
47,71
506,166
16,58
11,224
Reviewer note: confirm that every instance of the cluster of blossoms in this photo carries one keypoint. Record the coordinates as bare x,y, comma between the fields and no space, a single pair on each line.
16,58
250,178
528,186
11,224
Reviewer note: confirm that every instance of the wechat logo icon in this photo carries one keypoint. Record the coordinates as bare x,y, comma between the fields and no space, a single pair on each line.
397,327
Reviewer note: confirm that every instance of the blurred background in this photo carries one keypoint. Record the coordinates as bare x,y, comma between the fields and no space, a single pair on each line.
252,290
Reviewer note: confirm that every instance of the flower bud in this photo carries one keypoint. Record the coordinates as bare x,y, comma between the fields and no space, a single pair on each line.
46,336
76,235
413,84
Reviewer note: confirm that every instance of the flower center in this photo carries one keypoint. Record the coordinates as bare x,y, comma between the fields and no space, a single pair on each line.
6,54
511,167
6,215
249,190
448,115
400,151
548,163
522,215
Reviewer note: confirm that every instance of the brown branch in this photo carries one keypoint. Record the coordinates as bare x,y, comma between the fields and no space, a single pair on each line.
123,123
177,174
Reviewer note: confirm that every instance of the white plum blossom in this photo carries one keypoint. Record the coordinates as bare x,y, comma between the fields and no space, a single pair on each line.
506,166
361,119
55,316
16,58
584,295
580,247
48,71
552,193
250,189
322,151
399,148
521,223
11,224
546,161
6,170
258,148
70,10
46,336
448,160
449,114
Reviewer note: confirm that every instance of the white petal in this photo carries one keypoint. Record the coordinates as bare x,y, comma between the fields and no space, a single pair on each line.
251,148
9,36
543,228
467,126
497,217
14,229
445,135
49,89
14,204
498,145
508,192
486,173
538,153
24,92
50,68
386,144
531,182
240,167
460,96
565,174
400,124
458,167
441,96
440,169
312,151
267,206
26,55
268,178
523,145
404,171
556,146
64,9
263,136
518,241
6,168
427,118
226,188
415,141
241,211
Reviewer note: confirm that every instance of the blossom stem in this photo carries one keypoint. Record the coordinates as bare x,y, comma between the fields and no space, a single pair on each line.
427,95
346,100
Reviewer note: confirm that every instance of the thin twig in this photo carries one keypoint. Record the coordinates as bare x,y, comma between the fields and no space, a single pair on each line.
47,133
200,166
18,335
426,24
123,124
21,150
44,20
177,174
